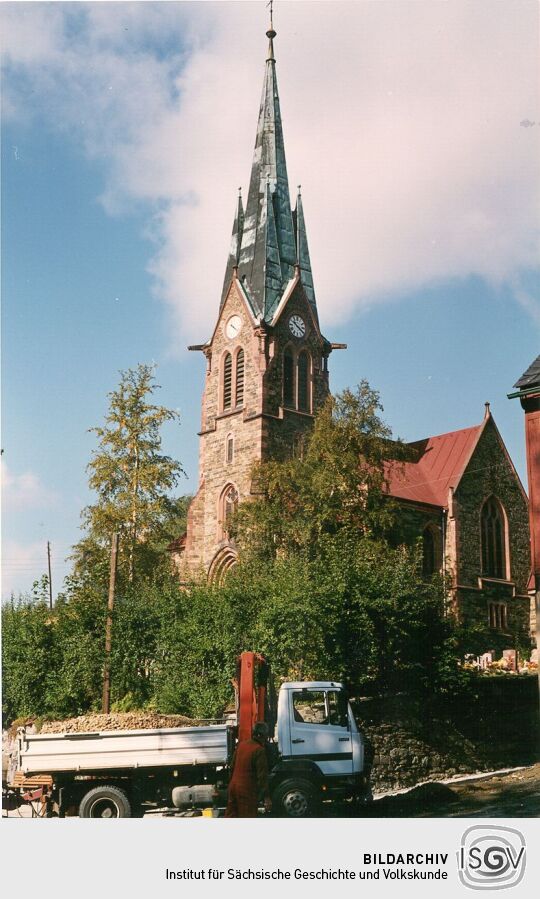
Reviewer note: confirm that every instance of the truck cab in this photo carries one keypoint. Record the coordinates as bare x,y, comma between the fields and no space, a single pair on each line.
320,749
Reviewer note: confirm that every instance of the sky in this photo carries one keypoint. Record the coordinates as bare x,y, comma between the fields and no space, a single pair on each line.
127,128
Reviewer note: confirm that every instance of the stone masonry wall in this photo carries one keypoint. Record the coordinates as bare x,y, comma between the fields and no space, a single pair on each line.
490,472
410,742
411,521
240,423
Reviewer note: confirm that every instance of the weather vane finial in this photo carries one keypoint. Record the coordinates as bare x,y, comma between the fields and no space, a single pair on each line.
271,33
271,5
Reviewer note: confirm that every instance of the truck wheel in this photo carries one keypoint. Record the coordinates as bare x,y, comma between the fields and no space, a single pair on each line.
294,798
105,802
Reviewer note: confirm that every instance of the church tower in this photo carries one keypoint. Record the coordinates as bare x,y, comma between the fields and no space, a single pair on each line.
266,361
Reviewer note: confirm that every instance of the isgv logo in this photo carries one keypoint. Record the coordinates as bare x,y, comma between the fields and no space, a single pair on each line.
491,858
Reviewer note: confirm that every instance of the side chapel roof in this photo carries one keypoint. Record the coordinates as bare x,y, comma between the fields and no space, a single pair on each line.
440,465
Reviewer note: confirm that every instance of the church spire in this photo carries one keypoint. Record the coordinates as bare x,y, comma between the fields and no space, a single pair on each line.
268,205
236,240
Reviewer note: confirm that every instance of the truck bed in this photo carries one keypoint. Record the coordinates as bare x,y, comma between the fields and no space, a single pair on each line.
81,752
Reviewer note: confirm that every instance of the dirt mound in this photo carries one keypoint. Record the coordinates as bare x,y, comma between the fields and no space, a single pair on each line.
118,721
20,722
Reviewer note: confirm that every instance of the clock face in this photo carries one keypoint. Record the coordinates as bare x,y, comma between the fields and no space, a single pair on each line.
233,327
297,326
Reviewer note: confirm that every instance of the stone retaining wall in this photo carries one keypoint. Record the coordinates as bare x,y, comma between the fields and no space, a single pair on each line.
411,742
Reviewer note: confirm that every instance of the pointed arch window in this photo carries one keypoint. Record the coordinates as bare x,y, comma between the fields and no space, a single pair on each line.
288,377
493,530
239,389
303,368
228,507
227,381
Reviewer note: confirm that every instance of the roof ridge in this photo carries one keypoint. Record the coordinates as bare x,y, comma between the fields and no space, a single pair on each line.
445,434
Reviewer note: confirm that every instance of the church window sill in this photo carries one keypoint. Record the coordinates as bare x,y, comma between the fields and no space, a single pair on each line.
496,580
296,411
229,412
486,581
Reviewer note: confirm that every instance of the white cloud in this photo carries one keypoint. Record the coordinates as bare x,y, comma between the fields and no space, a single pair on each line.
23,491
402,122
529,302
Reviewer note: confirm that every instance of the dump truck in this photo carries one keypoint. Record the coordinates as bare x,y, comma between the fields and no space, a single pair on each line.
316,752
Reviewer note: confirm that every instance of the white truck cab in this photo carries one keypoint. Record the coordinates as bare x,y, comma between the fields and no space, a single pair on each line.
321,751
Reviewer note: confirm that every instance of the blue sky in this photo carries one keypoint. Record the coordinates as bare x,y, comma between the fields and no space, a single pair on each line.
127,130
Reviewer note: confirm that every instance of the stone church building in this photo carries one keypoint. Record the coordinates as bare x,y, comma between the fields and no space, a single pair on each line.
462,496
266,377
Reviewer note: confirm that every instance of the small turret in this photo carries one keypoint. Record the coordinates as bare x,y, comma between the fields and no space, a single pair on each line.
236,240
302,252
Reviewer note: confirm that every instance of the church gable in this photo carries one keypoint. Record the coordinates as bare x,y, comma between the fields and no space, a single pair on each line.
295,300
235,302
492,510
232,354
462,498
296,380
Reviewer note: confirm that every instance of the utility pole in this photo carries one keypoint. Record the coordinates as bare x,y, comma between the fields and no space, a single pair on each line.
50,576
106,704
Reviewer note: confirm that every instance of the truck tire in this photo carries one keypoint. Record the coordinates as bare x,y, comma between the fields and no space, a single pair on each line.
294,798
105,802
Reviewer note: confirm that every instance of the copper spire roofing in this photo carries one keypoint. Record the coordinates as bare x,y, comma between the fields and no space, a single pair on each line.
440,465
266,245
236,239
302,252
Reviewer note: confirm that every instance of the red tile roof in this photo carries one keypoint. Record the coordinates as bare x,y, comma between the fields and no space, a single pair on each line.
441,463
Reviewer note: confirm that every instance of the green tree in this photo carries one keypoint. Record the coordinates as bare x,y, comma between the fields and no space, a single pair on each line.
133,480
27,657
74,678
333,483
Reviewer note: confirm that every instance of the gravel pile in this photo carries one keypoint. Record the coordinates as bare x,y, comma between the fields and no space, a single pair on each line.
118,721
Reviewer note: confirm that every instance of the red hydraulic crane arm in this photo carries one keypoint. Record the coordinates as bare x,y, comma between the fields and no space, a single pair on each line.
253,674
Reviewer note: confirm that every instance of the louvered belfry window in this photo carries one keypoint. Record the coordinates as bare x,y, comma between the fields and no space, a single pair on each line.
493,539
303,382
288,378
227,381
240,378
